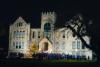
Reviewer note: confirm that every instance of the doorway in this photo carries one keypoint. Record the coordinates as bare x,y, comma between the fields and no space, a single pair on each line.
45,46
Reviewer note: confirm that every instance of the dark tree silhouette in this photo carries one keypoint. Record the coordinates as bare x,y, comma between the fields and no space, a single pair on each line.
79,28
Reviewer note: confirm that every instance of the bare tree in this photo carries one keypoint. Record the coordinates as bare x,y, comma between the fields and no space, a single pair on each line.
79,29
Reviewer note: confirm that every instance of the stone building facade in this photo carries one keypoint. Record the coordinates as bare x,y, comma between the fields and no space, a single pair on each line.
48,40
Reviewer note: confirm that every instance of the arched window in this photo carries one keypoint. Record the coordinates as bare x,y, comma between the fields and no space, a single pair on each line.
47,27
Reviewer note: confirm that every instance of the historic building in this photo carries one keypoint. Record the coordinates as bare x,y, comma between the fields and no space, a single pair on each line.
19,35
46,38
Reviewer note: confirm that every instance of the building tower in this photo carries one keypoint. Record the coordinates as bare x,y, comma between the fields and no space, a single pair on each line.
48,20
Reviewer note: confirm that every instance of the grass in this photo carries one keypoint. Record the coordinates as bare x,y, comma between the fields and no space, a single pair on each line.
61,63
32,61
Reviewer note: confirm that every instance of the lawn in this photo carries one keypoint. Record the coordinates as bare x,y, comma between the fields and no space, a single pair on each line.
44,61
72,63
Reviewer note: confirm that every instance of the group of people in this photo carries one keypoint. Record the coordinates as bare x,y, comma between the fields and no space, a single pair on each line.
50,56
47,56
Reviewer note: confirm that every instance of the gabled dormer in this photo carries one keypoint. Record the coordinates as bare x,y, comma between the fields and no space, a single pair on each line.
20,22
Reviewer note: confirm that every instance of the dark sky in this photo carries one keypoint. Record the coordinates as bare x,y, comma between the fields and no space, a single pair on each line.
31,10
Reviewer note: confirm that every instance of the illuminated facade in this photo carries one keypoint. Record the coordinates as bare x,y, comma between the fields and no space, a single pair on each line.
19,35
48,40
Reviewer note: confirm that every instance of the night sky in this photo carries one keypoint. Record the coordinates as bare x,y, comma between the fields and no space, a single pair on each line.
31,10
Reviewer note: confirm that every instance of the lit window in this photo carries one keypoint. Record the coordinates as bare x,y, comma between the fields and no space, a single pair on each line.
20,33
22,45
78,45
73,45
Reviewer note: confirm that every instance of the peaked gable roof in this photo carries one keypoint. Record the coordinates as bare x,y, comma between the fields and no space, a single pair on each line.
20,19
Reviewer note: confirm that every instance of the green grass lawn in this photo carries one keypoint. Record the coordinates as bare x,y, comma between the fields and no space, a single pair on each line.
50,63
